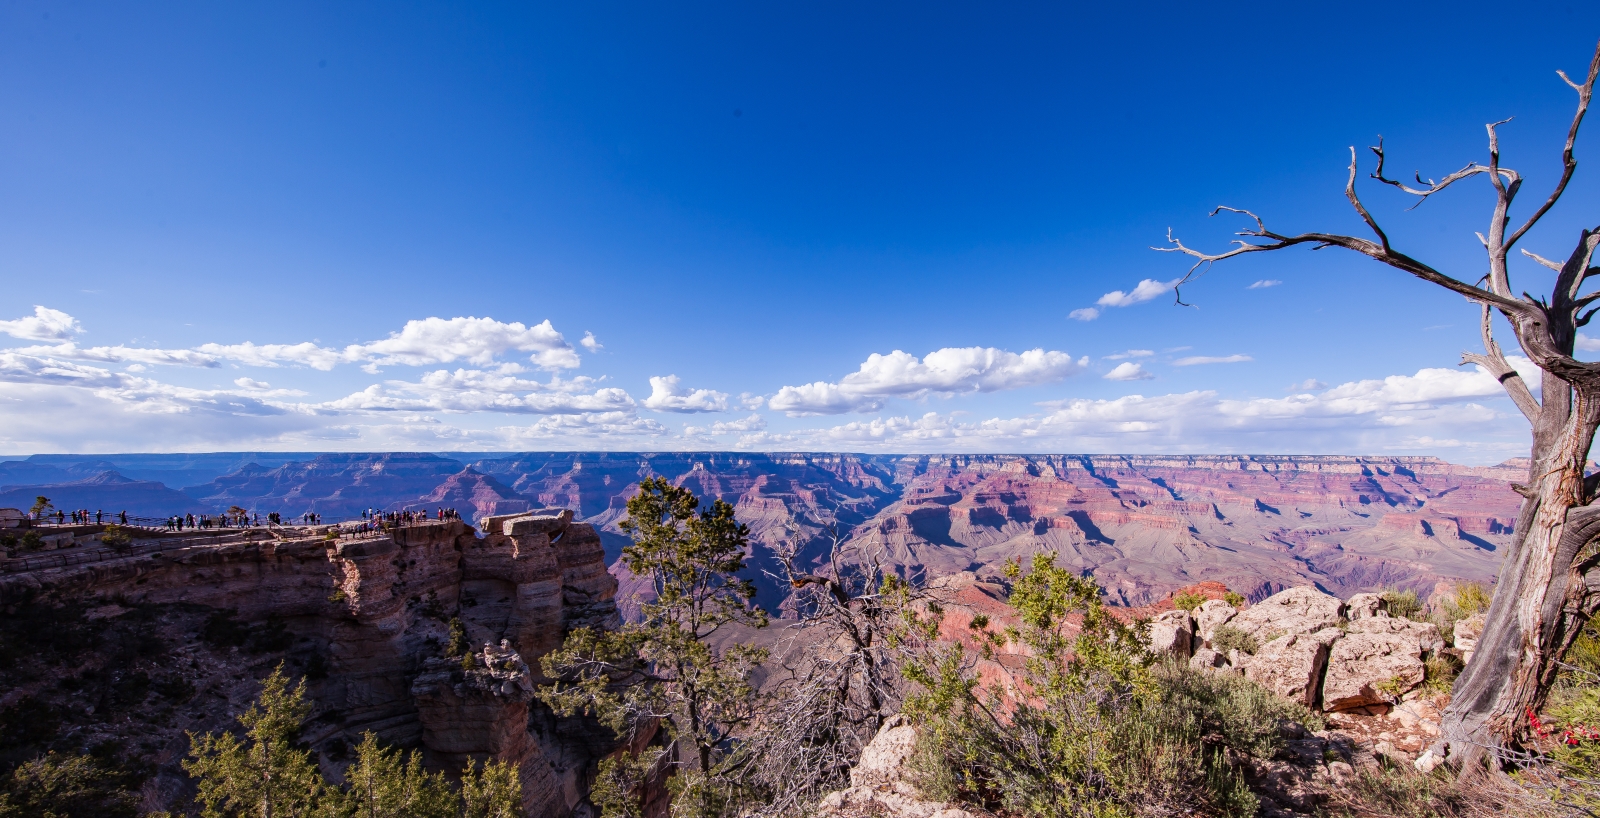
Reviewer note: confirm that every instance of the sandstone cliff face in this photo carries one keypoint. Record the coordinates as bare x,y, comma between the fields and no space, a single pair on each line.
374,611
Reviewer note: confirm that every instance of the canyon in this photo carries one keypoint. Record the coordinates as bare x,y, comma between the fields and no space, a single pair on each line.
1144,525
121,650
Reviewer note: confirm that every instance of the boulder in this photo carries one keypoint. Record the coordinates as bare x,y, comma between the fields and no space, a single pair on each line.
1371,668
1212,614
884,758
878,785
1297,610
1426,634
1172,633
1467,633
1365,606
1207,659
1290,666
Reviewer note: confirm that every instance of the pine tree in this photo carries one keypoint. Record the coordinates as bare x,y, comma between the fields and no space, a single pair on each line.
667,670
392,784
491,791
265,775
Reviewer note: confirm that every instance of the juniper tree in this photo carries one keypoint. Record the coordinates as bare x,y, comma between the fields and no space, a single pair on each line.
668,669
1549,579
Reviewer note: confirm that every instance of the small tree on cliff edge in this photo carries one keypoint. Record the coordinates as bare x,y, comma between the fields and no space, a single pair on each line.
1542,599
666,669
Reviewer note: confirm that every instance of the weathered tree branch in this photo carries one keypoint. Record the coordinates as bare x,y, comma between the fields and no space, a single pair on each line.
1365,247
1495,362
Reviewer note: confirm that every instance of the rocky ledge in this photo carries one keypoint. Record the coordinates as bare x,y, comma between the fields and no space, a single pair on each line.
371,613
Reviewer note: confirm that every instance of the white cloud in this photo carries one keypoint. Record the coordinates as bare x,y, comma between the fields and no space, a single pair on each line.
42,417
472,390
1434,408
1586,343
590,343
1146,290
1264,283
593,426
1128,371
1131,353
753,423
750,401
946,371
18,368
1307,385
123,354
424,342
272,355
1196,360
251,383
665,396
44,325
476,340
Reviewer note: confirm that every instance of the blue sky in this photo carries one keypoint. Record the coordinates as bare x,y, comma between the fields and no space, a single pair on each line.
755,200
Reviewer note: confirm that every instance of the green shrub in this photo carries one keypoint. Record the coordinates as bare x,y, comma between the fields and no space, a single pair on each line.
1439,673
65,785
1233,598
1227,638
1574,719
1245,714
1467,599
1187,601
1584,657
116,538
1397,793
1102,735
1403,604
458,639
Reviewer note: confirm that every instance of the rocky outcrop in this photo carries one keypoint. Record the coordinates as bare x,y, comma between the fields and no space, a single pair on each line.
1212,614
880,782
1467,632
1297,610
1307,651
1364,606
1424,635
1291,665
374,609
1173,633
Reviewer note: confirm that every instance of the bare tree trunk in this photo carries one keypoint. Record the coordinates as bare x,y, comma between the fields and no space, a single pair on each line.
1533,617
1549,581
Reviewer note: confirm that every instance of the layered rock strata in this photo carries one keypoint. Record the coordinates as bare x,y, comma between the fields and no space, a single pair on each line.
375,610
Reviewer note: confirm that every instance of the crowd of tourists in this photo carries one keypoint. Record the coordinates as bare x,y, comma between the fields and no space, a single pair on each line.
373,516
372,519
83,516
179,522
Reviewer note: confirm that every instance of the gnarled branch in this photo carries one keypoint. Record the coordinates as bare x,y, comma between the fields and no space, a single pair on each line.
1494,361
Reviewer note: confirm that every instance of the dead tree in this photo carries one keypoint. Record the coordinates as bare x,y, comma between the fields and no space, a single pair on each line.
834,677
1548,585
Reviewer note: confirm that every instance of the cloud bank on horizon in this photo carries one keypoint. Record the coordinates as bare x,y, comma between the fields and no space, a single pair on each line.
61,396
